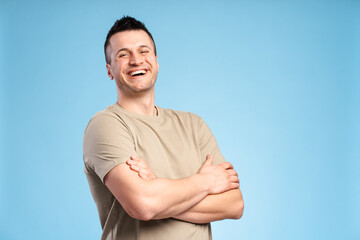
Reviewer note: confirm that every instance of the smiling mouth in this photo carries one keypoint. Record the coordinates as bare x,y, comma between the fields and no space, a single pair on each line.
137,73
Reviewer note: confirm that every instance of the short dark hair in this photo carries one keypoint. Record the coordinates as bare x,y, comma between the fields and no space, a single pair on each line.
125,24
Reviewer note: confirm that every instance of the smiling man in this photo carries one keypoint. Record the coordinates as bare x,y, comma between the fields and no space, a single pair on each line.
154,173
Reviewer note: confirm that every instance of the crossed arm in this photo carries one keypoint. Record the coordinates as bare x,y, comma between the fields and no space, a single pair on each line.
211,194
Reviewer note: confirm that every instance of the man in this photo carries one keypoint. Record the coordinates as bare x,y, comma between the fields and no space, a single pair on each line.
154,173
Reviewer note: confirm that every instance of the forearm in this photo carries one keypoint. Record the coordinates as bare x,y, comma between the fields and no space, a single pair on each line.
227,205
158,198
167,197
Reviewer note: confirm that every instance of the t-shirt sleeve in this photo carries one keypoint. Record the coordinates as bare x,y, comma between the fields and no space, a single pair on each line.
208,144
108,142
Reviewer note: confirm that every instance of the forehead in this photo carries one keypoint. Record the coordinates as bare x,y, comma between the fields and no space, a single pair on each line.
130,39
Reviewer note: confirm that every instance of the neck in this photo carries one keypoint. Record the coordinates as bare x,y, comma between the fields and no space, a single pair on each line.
143,104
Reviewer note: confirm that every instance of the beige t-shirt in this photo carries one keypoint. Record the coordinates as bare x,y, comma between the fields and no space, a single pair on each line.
174,144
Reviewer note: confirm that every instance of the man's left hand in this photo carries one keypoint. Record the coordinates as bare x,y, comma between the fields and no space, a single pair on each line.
141,167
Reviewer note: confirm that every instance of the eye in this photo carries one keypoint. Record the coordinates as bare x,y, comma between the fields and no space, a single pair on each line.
122,55
144,51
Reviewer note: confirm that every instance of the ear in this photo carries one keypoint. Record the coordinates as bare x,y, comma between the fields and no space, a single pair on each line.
109,73
157,63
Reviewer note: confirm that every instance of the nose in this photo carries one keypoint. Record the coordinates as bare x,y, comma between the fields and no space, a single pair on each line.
135,59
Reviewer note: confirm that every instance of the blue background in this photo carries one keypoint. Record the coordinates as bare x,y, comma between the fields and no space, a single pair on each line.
276,81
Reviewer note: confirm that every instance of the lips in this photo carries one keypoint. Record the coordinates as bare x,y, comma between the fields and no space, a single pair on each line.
136,73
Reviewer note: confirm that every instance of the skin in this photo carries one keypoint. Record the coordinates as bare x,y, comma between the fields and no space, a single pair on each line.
204,211
211,194
131,51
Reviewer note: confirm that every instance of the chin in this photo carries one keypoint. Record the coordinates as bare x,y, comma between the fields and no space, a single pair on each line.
140,90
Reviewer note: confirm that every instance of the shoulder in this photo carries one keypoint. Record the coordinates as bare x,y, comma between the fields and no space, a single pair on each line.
107,116
107,121
106,136
181,115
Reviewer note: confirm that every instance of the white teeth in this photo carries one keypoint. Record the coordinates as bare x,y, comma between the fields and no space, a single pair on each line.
137,72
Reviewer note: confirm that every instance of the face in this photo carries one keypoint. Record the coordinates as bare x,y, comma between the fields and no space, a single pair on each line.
133,63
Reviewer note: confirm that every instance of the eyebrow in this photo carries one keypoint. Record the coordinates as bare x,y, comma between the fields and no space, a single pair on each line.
126,49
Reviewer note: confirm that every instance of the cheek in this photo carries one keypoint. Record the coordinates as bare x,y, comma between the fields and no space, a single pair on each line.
121,68
152,61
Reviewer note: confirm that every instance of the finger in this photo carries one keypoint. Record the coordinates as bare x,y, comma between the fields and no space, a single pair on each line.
232,172
234,179
130,162
142,165
145,172
234,185
137,160
226,165
150,174
208,161
143,176
134,167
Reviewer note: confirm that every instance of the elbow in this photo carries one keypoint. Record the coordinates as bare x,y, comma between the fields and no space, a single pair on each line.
141,214
144,216
142,210
239,210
